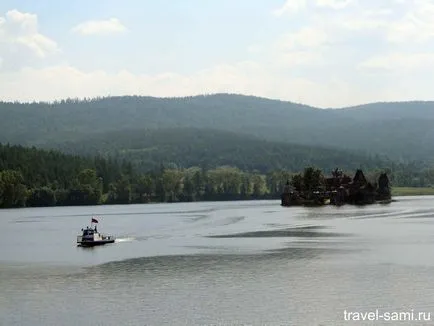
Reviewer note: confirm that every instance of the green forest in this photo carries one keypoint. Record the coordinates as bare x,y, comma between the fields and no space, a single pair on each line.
402,131
31,177
134,149
209,148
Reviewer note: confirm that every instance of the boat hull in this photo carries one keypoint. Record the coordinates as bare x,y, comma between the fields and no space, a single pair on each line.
95,243
91,238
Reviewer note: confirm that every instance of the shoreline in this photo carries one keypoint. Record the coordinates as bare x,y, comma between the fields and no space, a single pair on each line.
396,192
412,191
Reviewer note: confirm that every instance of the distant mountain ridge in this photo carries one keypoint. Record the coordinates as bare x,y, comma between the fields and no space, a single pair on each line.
401,130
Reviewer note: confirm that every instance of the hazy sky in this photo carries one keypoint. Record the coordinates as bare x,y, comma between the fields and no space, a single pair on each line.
319,52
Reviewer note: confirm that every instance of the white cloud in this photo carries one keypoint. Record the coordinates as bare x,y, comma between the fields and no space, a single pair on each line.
290,7
294,6
396,21
335,4
298,59
416,25
326,58
400,62
301,48
308,37
65,81
59,82
247,77
363,23
21,41
97,27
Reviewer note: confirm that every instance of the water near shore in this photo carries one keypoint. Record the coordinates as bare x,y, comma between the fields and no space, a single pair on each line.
227,263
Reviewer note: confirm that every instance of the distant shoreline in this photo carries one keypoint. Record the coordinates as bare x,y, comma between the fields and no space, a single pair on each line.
396,192
412,191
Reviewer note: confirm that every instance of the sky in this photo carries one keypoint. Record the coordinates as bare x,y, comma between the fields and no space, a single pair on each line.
325,53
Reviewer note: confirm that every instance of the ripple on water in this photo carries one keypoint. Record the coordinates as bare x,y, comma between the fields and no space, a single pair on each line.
198,217
304,231
345,258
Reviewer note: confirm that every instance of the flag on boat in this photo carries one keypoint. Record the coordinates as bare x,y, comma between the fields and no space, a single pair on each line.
94,220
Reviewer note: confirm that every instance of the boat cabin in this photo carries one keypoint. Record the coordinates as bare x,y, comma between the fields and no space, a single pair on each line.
92,237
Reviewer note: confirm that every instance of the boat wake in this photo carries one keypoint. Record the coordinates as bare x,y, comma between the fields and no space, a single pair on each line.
127,239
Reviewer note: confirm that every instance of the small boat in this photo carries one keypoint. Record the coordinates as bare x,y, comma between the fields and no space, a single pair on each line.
91,237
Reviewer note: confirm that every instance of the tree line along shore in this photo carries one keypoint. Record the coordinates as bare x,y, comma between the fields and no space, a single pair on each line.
31,177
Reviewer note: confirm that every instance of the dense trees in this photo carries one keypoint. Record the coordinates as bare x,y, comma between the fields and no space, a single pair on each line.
83,181
310,180
29,176
32,177
186,147
13,192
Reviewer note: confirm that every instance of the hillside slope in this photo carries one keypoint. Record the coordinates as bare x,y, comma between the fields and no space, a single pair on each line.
187,147
402,130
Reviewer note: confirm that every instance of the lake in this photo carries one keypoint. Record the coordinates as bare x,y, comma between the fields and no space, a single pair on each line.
220,263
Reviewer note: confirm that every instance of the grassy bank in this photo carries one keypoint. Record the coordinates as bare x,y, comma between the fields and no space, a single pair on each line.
412,191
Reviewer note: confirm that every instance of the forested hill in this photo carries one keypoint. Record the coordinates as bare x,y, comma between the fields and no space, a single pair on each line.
186,147
402,130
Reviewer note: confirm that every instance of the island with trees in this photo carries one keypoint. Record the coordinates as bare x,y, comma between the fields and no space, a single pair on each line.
312,188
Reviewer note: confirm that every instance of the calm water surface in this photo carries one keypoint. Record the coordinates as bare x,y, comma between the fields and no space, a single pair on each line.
228,263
